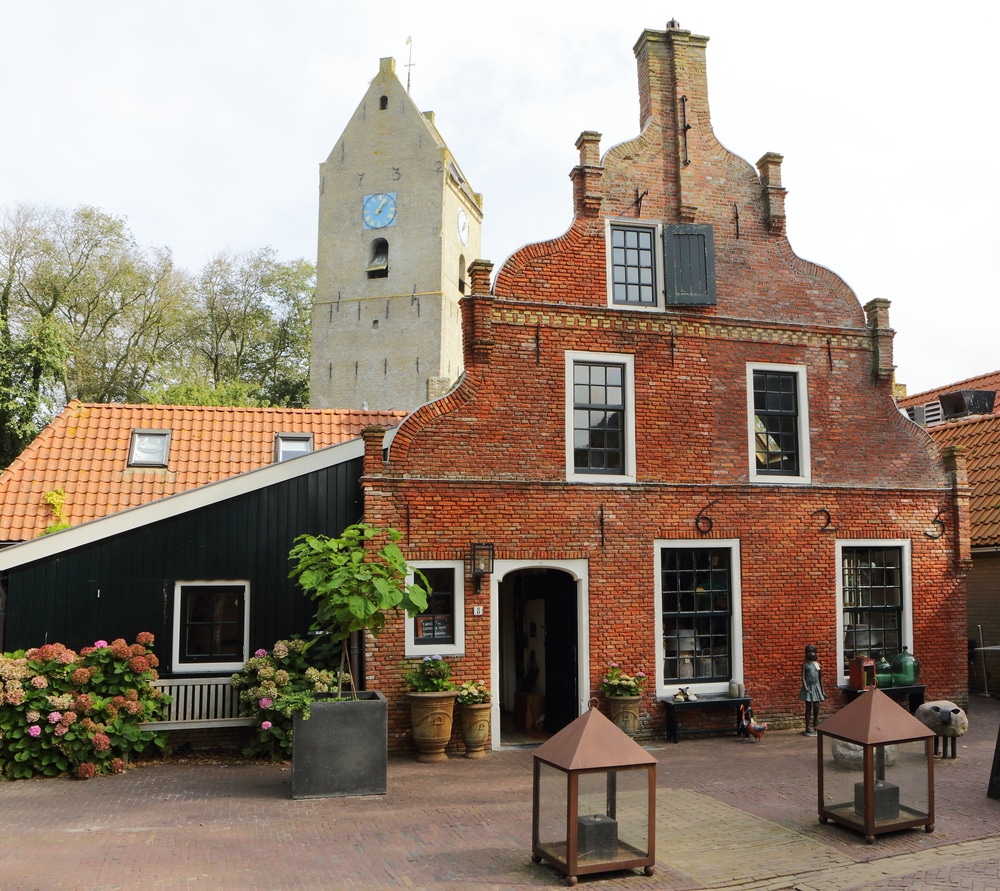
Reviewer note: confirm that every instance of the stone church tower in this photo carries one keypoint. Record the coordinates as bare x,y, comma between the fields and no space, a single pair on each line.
398,227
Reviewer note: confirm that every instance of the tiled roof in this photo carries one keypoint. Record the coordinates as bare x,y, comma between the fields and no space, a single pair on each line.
85,452
981,438
989,381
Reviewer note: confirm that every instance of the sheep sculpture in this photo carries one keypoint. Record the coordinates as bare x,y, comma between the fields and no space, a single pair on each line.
947,721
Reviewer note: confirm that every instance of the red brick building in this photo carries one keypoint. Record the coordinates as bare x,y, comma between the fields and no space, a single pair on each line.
681,441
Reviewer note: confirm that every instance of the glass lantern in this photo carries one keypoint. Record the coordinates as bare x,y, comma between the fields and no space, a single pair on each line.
594,801
876,768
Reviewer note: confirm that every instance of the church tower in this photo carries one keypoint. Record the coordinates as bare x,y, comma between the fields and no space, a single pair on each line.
398,226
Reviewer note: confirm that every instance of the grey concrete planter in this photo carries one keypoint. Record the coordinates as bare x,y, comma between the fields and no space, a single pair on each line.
342,749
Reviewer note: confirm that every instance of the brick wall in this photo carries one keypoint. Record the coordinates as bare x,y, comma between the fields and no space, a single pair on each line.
488,462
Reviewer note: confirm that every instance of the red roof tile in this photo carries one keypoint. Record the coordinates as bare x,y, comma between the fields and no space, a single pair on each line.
989,381
980,436
85,452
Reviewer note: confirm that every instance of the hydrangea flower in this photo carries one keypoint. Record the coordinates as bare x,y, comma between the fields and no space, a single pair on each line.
55,717
100,644
266,725
34,730
260,652
266,702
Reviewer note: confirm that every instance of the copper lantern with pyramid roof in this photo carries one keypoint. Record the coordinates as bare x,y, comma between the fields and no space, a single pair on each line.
876,767
594,801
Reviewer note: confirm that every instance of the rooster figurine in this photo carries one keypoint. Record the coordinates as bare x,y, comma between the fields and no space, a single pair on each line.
750,727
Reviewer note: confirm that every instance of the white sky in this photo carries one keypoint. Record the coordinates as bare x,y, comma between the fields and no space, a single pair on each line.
203,124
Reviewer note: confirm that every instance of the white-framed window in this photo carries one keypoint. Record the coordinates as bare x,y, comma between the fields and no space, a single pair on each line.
699,610
440,629
875,600
600,417
635,267
211,626
291,445
778,423
149,448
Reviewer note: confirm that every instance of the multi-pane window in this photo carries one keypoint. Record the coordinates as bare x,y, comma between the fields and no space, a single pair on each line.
436,624
696,590
210,624
633,266
776,422
872,587
599,417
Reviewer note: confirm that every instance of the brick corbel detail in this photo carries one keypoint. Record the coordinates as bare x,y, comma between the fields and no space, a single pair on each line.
877,313
477,316
953,458
586,177
769,167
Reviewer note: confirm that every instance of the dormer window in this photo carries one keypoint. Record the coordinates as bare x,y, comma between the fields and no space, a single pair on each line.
149,448
378,263
291,445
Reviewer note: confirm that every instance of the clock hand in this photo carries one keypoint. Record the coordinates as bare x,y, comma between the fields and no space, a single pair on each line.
382,204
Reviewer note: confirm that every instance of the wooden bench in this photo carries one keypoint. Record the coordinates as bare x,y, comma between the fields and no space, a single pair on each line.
677,709
197,703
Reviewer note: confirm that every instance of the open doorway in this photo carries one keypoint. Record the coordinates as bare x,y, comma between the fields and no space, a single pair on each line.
538,637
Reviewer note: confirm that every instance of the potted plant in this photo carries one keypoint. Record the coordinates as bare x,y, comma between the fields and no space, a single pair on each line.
432,707
623,694
474,708
340,742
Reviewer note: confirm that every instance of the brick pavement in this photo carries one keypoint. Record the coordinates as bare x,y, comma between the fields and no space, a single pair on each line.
730,815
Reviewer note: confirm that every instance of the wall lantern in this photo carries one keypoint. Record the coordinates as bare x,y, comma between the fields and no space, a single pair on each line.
876,767
594,800
482,562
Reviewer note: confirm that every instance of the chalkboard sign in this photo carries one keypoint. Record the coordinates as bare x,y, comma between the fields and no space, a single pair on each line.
994,788
433,627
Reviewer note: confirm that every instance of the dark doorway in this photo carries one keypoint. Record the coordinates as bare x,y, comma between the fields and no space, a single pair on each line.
538,653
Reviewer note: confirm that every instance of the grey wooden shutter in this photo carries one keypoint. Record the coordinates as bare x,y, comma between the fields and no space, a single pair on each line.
690,264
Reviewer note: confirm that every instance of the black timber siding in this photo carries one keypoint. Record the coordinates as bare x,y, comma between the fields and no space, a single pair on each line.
124,584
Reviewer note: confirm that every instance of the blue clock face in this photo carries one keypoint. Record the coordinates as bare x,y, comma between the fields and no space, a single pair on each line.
379,210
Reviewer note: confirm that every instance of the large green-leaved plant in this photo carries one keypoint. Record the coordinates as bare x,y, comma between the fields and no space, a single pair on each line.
354,585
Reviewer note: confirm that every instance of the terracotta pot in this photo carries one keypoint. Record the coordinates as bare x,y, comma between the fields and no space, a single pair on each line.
432,715
624,712
475,721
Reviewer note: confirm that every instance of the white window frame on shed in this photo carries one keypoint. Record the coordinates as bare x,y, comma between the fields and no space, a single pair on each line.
179,667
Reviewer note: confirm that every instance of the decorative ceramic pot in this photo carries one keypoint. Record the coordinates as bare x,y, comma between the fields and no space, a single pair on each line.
432,715
475,722
624,712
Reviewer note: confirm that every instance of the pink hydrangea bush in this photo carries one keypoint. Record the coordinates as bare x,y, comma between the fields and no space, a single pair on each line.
72,713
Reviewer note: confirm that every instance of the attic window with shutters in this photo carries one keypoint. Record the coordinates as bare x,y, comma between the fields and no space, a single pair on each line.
383,103
291,445
689,253
149,448
378,263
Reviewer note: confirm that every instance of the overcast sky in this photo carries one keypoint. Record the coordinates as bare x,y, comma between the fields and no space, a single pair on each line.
203,124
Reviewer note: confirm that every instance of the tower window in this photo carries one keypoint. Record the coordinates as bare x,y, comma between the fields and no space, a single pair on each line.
383,103
461,275
378,264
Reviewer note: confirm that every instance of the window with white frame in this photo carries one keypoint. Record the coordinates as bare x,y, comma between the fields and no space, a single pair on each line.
149,448
600,417
291,445
874,591
698,597
211,625
632,265
440,629
778,413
